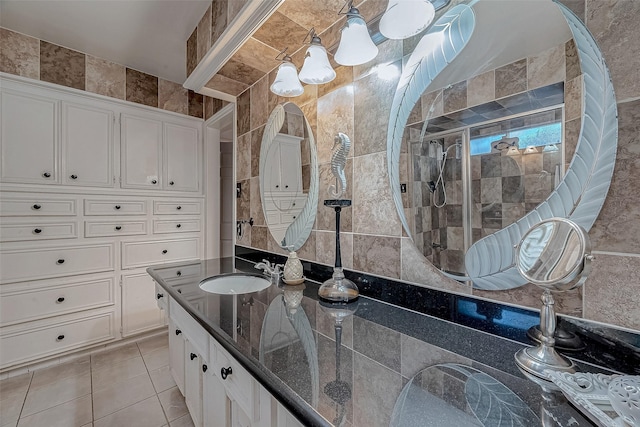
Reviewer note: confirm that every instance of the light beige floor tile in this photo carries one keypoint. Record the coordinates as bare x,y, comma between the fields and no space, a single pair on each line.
54,394
121,394
75,413
15,386
147,413
13,392
127,369
114,356
157,359
11,424
152,344
173,403
162,379
184,421
55,373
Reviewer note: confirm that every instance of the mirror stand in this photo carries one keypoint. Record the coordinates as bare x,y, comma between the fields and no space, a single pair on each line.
534,361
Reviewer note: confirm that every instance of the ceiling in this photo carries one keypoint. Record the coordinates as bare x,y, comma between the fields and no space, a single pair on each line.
146,35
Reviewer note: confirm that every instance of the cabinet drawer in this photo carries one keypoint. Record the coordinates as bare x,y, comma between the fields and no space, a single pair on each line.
190,328
114,228
185,272
37,231
240,384
32,264
161,298
115,207
42,338
142,254
175,208
36,206
176,226
37,300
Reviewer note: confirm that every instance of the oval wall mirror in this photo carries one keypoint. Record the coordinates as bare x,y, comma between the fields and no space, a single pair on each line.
289,176
513,130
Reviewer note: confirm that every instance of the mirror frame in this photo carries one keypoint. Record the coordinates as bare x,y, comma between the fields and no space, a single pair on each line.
298,232
490,262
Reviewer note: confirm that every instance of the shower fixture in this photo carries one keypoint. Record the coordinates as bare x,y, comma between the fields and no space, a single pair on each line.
441,156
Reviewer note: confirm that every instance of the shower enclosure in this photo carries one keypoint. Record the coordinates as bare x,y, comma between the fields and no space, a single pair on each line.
470,181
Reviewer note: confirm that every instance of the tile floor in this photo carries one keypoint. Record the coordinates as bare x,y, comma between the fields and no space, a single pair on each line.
128,386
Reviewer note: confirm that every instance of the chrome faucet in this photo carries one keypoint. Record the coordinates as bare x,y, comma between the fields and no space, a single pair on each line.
271,270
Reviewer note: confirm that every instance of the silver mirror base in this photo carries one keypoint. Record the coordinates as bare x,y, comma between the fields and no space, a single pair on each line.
534,361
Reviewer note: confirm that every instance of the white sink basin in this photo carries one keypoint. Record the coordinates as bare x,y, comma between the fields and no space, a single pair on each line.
234,284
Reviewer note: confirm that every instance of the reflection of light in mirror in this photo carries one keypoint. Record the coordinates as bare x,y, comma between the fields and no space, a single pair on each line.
530,150
513,151
405,18
551,148
387,72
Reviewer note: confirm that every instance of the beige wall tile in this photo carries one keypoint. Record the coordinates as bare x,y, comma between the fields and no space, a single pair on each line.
546,68
204,35
255,209
142,88
326,248
226,85
243,157
219,18
259,102
233,8
416,269
105,77
481,89
19,54
573,99
569,302
173,97
192,52
244,112
572,61
335,114
326,217
377,255
62,66
511,79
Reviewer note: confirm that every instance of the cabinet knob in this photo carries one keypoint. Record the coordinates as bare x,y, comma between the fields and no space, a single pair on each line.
74,176
178,207
178,332
193,356
178,273
46,175
294,217
60,337
60,261
179,291
158,296
118,227
178,225
294,203
204,368
36,207
277,186
225,372
117,207
37,230
164,251
59,300
171,182
286,186
154,181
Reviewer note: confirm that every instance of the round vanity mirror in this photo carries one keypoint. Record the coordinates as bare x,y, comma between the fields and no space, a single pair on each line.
486,123
289,176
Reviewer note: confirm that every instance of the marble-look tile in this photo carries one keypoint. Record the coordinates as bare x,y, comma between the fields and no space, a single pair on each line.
308,250
19,54
259,237
576,6
573,99
192,52
373,96
226,85
14,392
219,18
212,106
243,157
147,413
326,248
309,95
373,209
152,344
331,36
105,77
344,77
243,203
511,78
571,137
375,390
119,395
256,144
142,88
377,342
257,213
204,34
156,359
481,88
114,356
432,105
325,217
51,375
572,61
377,255
490,190
628,130
546,68
335,114
62,66
233,8
311,13
417,269
55,393
569,303
388,52
454,97
241,72
370,9
101,378
162,379
173,403
259,98
74,413
244,112
614,25
253,53
185,420
172,97
196,104
612,291
418,355
279,31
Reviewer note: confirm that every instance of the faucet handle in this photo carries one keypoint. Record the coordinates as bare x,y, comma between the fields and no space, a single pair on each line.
277,268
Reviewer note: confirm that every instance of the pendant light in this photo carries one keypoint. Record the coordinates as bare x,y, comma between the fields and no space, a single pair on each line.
356,46
406,18
316,68
286,83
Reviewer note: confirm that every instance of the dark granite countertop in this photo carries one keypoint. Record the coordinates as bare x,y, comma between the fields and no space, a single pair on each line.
352,365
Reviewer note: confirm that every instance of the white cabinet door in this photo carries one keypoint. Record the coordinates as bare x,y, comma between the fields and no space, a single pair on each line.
290,166
176,354
217,410
139,309
181,158
193,382
87,141
141,152
28,139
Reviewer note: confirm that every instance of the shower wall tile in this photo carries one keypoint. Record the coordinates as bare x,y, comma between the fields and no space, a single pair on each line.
573,99
377,255
511,79
173,97
243,105
142,88
105,77
192,52
259,97
614,282
62,66
455,97
204,34
19,54
572,61
219,11
196,104
335,114
375,389
481,88
243,157
546,68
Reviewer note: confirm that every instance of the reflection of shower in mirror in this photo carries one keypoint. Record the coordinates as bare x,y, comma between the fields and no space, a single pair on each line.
441,156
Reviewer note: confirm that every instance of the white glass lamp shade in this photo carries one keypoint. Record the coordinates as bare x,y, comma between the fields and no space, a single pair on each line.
406,18
316,68
287,83
356,46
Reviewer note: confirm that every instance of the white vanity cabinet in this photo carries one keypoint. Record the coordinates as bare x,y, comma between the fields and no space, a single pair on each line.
139,310
181,158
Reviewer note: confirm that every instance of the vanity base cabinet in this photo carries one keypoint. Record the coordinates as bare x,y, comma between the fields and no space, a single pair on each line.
139,310
176,354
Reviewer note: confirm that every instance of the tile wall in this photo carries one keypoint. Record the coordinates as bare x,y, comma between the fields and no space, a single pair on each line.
358,102
36,59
